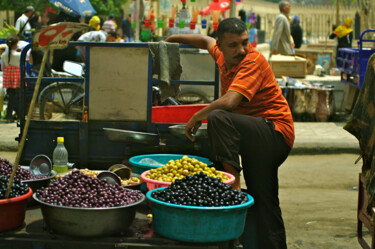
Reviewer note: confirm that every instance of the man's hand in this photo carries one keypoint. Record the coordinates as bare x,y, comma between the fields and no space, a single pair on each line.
192,127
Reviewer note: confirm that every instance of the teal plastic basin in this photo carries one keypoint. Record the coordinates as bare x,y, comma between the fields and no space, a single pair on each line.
198,224
139,168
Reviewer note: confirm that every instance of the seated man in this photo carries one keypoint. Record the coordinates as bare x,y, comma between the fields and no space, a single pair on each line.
251,119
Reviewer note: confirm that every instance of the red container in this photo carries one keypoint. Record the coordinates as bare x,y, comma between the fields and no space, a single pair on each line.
192,25
12,211
175,113
152,184
171,22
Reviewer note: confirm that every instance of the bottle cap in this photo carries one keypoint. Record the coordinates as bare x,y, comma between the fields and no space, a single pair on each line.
60,139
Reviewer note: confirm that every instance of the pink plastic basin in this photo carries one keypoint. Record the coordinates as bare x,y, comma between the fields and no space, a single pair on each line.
12,211
152,184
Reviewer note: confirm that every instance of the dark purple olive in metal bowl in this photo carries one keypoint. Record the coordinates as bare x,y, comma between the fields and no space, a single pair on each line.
88,222
39,183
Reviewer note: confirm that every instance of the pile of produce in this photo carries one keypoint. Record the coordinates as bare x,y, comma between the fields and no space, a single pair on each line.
95,173
200,190
18,188
83,191
7,30
178,169
23,174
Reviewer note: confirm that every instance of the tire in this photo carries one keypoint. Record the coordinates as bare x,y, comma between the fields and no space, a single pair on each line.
56,102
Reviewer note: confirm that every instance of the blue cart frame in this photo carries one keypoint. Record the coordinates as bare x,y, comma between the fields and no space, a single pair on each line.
352,62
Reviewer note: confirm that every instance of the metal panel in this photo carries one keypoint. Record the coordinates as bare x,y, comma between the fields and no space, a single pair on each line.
118,84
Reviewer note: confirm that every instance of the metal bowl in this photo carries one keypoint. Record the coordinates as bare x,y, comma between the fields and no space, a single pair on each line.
179,131
88,222
135,186
127,136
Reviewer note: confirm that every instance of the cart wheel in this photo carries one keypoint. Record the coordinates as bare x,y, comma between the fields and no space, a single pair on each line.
191,98
61,101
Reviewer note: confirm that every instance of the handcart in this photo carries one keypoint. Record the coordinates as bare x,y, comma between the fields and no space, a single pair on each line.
352,62
117,95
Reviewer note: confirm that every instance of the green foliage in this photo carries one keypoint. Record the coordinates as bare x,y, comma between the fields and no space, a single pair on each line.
102,7
20,5
7,30
105,7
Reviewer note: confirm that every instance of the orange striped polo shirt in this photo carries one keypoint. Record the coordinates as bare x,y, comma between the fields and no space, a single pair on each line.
254,79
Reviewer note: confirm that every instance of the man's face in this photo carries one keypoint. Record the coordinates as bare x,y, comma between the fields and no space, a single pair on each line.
111,38
286,8
234,47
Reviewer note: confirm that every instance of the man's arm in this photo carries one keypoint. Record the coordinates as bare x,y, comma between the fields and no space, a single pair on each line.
198,41
228,102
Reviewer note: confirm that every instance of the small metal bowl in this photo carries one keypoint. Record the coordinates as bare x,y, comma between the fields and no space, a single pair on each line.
123,172
179,131
110,177
41,165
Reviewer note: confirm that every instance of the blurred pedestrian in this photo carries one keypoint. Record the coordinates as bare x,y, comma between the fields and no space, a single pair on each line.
281,39
23,22
127,31
297,32
110,24
94,23
344,34
95,36
10,64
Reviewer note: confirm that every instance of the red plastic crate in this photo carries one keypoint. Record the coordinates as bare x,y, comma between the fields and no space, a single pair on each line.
175,113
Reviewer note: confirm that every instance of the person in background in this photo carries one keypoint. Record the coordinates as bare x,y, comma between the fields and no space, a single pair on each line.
297,32
22,21
344,34
10,64
126,27
36,22
281,39
251,119
253,32
95,36
94,23
110,24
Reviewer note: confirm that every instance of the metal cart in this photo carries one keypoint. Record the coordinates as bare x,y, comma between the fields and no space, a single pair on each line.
118,95
352,62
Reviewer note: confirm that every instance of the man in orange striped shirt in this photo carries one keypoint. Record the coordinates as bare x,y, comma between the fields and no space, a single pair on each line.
251,119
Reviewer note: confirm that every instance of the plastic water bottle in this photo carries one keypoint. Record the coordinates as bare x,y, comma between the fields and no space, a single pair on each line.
60,157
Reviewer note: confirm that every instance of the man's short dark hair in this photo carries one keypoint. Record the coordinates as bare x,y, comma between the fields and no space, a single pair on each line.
232,25
112,33
282,4
29,8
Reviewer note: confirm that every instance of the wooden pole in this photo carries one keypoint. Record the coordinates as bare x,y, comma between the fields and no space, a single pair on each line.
26,127
337,12
138,24
232,11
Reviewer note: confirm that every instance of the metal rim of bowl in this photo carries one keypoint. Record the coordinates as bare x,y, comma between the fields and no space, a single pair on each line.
53,174
133,159
91,209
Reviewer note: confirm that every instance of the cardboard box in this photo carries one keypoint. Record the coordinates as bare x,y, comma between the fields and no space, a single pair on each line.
317,56
291,66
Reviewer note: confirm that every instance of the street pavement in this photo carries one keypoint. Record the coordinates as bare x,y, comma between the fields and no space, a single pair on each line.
311,138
